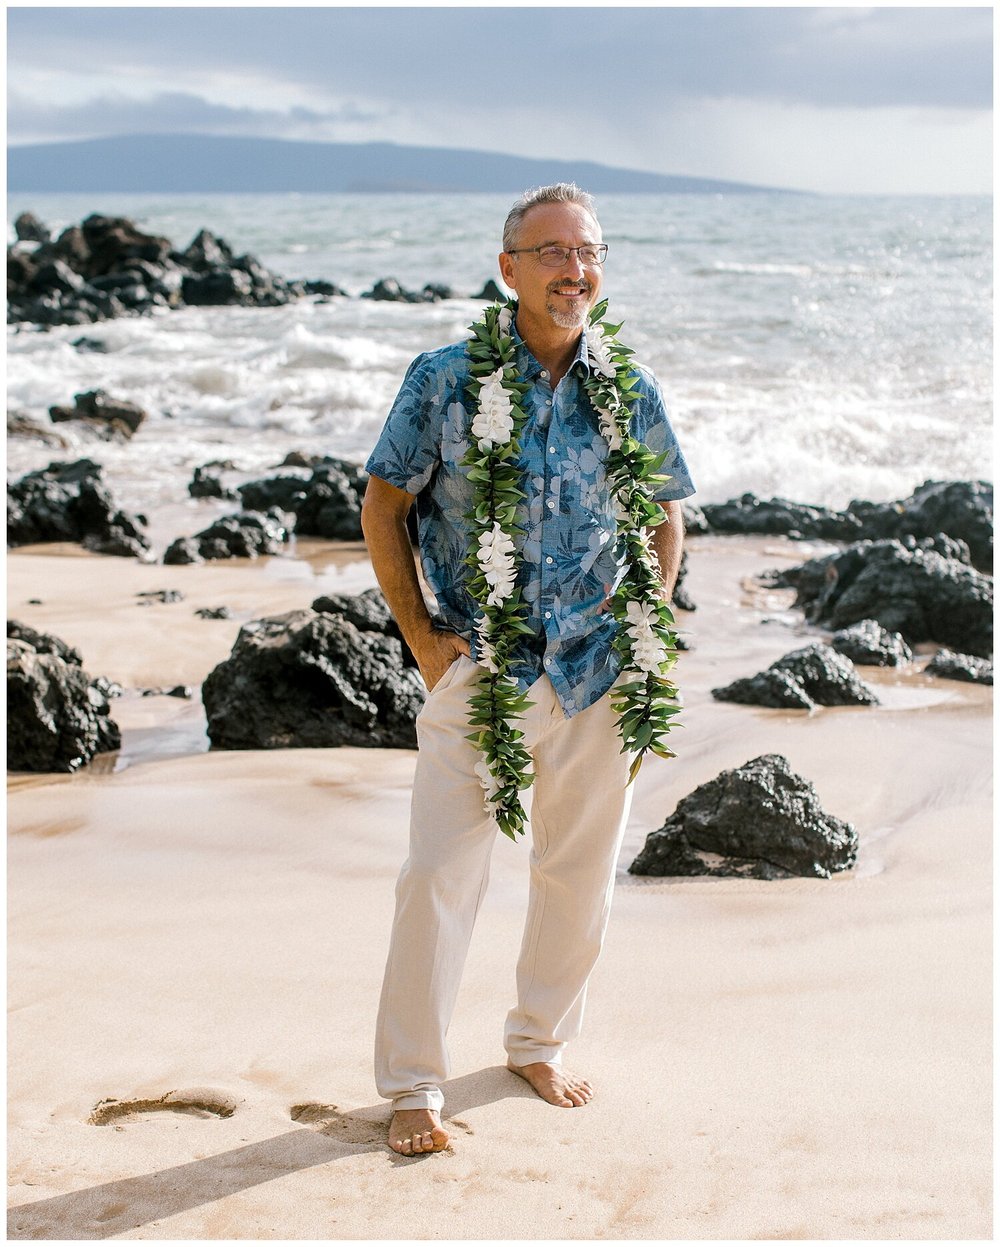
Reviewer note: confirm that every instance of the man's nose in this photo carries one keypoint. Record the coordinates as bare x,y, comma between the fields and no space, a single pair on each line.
573,267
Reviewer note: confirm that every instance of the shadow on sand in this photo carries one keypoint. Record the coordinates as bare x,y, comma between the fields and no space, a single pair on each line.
324,1134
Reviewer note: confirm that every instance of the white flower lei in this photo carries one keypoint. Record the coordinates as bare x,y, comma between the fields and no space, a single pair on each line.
645,705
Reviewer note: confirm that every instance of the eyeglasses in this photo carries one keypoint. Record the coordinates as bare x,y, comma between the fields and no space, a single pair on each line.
555,257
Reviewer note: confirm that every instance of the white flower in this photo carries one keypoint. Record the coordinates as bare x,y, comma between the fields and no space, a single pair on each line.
493,423
648,651
609,429
487,654
496,560
599,350
504,320
490,786
646,541
487,779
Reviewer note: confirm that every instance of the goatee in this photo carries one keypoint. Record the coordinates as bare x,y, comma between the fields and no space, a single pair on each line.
568,318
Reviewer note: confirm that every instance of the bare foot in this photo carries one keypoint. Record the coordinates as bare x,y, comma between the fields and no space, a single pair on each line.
414,1131
555,1084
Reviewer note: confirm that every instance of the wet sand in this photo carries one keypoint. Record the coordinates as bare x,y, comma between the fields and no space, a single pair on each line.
797,1059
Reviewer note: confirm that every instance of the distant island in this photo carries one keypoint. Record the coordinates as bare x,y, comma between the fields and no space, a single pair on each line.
178,163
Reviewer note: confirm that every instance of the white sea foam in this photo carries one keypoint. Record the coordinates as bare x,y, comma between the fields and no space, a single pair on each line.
816,348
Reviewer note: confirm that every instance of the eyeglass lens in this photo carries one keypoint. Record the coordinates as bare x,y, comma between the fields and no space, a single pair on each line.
556,257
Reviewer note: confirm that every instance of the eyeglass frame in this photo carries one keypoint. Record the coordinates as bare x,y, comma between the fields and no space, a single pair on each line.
551,246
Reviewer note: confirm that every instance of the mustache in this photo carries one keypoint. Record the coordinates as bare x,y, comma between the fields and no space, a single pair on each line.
565,283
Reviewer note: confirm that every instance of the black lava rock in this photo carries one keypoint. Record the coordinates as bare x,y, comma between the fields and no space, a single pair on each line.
368,612
682,599
68,502
299,459
327,504
284,492
749,514
106,414
759,821
242,536
309,680
58,717
815,675
217,288
951,666
435,292
43,642
491,292
206,484
906,586
331,506
960,509
151,597
183,551
775,689
108,267
29,228
388,290
214,612
695,523
868,644
325,288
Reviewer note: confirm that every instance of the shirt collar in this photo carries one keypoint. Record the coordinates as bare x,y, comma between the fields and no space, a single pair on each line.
530,368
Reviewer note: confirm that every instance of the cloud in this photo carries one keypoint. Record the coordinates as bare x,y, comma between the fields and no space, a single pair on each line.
32,120
835,57
824,99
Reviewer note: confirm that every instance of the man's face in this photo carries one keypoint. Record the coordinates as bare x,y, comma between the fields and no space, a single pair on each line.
563,295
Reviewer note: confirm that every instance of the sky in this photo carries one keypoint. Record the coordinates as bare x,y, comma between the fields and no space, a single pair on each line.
839,100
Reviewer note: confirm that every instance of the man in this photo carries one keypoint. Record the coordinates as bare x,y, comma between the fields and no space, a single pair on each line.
552,257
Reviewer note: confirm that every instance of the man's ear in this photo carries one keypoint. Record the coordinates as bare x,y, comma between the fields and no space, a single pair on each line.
507,270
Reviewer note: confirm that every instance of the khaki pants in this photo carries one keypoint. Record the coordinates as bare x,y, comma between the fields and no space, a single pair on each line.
579,810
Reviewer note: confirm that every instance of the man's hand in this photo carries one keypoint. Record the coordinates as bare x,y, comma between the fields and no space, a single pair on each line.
436,651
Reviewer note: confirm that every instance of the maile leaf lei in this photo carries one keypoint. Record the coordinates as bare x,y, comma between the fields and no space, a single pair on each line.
645,703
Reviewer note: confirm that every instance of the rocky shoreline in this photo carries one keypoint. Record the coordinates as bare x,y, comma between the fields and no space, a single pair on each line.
107,267
339,674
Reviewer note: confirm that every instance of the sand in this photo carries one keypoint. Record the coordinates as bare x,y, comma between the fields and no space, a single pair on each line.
798,1059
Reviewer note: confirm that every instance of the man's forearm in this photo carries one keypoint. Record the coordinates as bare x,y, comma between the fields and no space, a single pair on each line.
668,541
392,558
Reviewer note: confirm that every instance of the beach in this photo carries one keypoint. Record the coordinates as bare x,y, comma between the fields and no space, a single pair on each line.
804,1058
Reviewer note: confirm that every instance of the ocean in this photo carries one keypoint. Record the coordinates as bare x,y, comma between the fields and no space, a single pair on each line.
814,347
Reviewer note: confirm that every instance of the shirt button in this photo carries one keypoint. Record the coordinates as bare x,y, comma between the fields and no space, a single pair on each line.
552,450
548,402
548,558
548,614
548,662
550,504
545,374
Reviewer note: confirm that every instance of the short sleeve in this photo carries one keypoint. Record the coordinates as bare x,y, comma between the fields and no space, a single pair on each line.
409,446
651,425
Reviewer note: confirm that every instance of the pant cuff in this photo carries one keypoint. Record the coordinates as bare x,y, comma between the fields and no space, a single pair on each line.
528,1056
419,1099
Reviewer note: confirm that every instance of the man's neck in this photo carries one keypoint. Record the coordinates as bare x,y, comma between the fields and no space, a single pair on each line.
554,347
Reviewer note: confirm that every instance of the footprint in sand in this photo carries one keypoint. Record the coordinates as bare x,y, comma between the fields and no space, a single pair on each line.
353,1127
195,1101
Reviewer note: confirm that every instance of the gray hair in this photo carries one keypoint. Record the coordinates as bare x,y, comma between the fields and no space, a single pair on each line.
557,193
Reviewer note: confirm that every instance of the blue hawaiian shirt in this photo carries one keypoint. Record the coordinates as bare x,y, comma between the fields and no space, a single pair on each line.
571,561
